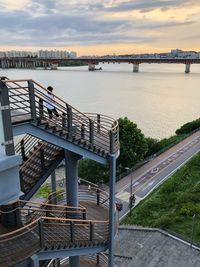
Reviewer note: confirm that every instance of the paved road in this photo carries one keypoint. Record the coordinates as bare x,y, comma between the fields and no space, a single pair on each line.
148,177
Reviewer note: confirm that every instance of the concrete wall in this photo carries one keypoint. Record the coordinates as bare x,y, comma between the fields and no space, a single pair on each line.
9,178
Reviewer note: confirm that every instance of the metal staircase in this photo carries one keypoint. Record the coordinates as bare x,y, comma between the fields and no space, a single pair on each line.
52,230
95,133
47,228
39,160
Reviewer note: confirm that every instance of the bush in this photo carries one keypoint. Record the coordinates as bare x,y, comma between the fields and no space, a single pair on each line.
188,127
164,221
189,209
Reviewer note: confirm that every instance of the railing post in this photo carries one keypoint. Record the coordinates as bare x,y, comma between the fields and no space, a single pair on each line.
91,133
21,181
66,214
98,123
41,233
98,260
41,108
69,121
22,149
42,158
64,120
6,133
91,231
32,100
98,196
72,231
111,142
82,131
84,214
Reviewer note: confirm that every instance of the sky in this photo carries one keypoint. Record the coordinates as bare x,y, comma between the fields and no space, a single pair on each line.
100,27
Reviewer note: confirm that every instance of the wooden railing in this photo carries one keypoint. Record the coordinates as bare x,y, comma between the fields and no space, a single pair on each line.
28,100
46,227
26,212
50,233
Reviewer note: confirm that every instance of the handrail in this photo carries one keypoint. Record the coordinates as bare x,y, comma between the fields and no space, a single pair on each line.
51,219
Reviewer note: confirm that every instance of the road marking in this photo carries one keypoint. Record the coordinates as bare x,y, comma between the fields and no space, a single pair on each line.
123,196
155,170
150,184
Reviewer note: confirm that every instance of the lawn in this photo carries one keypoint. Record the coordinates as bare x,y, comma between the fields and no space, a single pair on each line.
172,206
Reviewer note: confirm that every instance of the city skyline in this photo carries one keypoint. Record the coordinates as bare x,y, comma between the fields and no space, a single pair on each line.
103,27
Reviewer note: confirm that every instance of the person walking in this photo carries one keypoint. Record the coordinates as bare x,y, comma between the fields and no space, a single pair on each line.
50,103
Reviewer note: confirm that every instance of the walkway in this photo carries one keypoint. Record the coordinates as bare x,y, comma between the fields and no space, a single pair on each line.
152,247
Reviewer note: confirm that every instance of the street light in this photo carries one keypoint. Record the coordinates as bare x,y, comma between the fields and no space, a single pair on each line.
131,191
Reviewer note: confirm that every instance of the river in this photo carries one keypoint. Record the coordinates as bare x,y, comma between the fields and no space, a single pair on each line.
159,99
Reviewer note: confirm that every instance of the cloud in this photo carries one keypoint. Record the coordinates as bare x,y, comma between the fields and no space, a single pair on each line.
62,23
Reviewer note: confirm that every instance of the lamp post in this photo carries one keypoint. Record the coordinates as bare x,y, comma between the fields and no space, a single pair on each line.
131,191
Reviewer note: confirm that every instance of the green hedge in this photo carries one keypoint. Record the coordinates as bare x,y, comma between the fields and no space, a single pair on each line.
189,127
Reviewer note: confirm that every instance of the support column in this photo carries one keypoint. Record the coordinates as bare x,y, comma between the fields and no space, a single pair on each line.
53,66
71,165
34,261
91,67
112,176
136,67
187,68
9,162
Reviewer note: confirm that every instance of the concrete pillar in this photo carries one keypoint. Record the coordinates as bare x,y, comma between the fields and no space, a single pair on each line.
187,68
91,67
9,162
136,67
53,66
112,163
71,165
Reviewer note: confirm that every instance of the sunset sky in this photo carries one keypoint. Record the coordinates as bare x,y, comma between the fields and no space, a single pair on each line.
99,27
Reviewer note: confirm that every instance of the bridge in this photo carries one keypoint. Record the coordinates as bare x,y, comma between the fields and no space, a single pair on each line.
53,63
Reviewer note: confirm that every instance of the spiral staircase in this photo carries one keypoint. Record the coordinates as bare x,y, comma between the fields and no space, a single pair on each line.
47,230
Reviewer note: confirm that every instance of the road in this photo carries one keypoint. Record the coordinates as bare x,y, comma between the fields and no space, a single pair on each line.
155,172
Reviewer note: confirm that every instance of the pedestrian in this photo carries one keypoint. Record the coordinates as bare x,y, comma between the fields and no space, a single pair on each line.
50,103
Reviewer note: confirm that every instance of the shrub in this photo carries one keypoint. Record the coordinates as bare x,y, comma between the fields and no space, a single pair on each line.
164,221
189,209
188,127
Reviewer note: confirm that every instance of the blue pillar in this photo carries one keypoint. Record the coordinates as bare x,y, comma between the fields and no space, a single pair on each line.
112,162
71,165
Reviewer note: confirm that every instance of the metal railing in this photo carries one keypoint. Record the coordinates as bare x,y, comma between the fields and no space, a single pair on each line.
26,145
86,193
50,233
22,212
27,102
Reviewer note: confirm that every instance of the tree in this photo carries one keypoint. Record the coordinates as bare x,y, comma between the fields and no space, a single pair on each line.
93,171
133,145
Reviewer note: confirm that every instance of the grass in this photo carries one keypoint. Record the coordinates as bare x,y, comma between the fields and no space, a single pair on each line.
45,191
171,206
